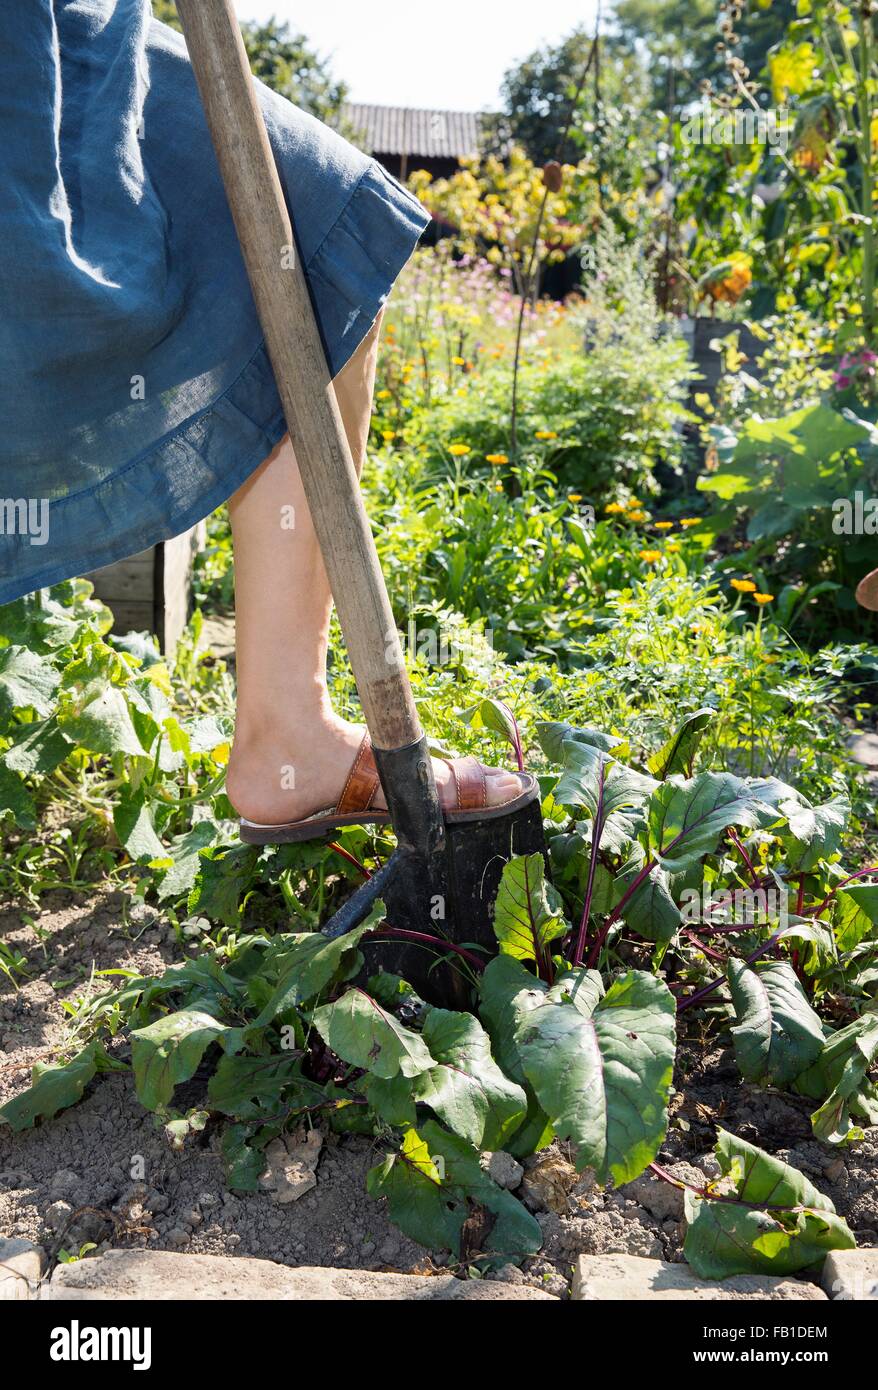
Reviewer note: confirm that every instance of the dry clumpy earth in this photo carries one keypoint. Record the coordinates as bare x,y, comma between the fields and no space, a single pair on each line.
104,1172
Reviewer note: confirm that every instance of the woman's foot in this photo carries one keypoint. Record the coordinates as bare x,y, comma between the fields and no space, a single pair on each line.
278,776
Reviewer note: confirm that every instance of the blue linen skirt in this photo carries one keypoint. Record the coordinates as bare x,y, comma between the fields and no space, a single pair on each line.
136,389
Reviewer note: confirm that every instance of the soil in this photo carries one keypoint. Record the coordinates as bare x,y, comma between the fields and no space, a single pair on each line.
104,1172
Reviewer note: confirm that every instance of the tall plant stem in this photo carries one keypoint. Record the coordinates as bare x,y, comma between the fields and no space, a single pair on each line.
868,211
597,831
527,286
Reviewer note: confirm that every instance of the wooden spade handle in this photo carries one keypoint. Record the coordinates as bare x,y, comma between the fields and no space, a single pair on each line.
283,304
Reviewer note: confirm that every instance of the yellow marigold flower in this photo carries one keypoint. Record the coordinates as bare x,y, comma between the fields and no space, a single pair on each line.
460,450
637,516
546,434
651,557
496,458
762,599
614,508
690,521
664,526
384,395
744,586
575,497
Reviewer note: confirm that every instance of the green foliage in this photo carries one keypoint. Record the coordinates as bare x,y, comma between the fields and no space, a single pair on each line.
284,61
611,417
807,476
774,1221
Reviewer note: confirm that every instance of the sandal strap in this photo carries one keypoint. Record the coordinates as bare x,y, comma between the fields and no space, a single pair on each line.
362,784
470,783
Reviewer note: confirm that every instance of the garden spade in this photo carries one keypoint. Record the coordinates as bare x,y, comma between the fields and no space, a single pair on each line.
442,880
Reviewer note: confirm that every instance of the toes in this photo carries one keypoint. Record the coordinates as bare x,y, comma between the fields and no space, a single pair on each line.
502,786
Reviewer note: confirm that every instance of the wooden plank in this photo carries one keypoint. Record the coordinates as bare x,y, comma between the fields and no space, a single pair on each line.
152,591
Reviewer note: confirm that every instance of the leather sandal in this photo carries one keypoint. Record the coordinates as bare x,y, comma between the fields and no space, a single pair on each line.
355,803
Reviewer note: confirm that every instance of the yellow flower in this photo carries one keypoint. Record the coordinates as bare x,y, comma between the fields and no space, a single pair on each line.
614,509
388,436
764,851
461,450
496,458
547,434
664,526
384,395
688,521
651,557
762,599
637,516
744,586
575,497
672,548
458,361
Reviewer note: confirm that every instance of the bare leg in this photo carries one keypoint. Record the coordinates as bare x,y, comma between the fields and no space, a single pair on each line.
292,752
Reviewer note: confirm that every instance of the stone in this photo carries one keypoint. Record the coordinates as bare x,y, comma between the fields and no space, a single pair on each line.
292,1165
57,1215
504,1169
20,1267
631,1279
850,1274
148,1274
661,1199
65,1183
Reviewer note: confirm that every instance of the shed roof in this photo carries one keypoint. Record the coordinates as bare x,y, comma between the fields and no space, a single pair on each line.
409,130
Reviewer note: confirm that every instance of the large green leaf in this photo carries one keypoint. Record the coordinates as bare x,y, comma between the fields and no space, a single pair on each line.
839,1078
361,1032
16,798
508,993
436,1182
101,722
132,818
604,1080
857,909
416,1197
310,963
250,1087
651,910
814,833
467,1089
528,912
686,818
613,794
775,1222
26,682
553,735
37,749
778,1035
185,851
678,754
223,879
169,1051
57,1086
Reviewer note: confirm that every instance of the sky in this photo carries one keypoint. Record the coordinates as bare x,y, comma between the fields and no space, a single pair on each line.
412,53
